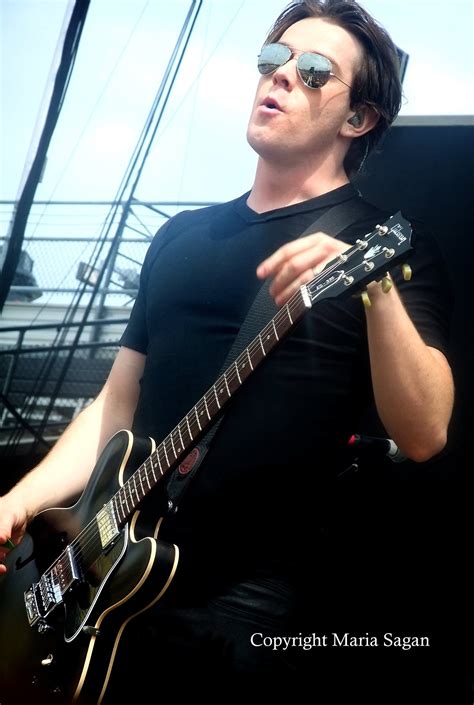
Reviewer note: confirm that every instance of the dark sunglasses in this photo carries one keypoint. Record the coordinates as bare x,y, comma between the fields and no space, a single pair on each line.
314,70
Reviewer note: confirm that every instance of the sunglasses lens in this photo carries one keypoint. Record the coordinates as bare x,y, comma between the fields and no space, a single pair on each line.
272,57
314,69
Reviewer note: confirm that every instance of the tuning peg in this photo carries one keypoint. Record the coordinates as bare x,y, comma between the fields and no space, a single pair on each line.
406,271
365,299
386,284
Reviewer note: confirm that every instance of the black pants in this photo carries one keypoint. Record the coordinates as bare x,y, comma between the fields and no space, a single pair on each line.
196,646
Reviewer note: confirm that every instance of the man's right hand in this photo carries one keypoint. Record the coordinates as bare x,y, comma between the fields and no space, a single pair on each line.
13,521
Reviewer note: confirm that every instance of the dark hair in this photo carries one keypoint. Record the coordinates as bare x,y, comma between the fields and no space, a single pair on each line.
376,83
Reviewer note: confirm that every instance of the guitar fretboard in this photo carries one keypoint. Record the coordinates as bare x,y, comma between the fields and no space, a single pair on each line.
191,428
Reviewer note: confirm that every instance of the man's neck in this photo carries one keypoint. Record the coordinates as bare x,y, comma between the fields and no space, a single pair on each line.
277,187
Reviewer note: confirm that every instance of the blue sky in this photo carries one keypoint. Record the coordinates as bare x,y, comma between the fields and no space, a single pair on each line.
200,152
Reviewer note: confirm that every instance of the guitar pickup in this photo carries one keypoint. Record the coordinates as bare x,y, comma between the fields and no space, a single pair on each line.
107,525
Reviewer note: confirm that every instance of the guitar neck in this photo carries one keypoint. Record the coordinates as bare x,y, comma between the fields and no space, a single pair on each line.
198,420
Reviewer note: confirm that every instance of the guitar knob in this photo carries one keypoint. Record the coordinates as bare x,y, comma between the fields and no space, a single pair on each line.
406,271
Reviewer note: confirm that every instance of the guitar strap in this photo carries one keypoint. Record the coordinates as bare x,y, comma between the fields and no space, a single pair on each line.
263,308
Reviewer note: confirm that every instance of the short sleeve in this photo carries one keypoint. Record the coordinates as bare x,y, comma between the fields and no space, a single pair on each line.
428,295
135,335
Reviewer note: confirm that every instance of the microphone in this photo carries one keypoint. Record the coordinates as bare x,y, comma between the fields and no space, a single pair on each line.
382,446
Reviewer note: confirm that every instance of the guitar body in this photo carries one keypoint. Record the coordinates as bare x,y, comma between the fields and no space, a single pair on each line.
69,656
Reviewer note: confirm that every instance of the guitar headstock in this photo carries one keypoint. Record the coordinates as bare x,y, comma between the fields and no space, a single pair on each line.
375,253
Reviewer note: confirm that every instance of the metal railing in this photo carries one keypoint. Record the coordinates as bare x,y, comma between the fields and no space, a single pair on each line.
43,387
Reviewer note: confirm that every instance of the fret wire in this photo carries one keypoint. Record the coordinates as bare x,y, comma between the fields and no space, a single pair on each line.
223,386
125,498
237,370
181,437
217,398
153,469
148,462
152,466
261,344
227,386
250,361
162,459
189,428
166,454
137,491
139,471
266,339
128,486
117,510
172,445
205,404
197,419
135,495
120,505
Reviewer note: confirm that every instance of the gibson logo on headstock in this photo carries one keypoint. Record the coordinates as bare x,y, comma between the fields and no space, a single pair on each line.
397,231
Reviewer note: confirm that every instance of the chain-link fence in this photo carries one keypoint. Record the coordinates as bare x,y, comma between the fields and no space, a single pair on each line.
59,331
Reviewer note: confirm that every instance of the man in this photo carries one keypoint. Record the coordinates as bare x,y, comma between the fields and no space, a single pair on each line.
247,523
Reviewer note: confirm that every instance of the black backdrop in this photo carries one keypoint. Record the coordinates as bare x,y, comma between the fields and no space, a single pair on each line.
396,538
425,167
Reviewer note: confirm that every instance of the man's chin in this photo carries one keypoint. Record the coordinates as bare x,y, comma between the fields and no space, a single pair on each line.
273,151
261,142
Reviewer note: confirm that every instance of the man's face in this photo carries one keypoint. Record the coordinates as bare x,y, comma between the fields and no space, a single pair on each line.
307,122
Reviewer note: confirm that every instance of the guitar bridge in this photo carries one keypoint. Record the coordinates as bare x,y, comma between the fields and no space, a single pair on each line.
42,597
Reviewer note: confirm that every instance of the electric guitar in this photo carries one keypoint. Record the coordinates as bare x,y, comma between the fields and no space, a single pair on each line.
82,573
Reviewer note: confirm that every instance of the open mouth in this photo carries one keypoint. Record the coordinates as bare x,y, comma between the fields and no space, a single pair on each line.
271,104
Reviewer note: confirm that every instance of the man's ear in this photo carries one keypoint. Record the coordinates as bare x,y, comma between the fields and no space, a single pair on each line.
361,121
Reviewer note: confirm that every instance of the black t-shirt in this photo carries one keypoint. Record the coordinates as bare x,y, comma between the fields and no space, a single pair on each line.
260,491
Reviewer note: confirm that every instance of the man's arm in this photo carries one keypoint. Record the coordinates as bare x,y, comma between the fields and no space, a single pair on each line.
63,473
413,385
412,382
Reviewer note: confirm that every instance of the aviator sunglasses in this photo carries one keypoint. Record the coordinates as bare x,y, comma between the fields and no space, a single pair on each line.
314,70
